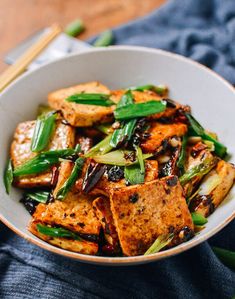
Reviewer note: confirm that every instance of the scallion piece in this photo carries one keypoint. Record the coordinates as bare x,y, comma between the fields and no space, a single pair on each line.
68,184
97,99
226,256
196,128
57,232
104,40
43,161
75,28
140,159
139,110
159,89
133,174
102,147
199,170
8,176
198,219
43,130
39,196
161,242
105,128
119,158
125,133
182,156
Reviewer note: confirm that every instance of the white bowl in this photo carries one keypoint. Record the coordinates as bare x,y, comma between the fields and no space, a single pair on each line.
212,100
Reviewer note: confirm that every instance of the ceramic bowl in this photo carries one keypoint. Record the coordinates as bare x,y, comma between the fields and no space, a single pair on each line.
212,100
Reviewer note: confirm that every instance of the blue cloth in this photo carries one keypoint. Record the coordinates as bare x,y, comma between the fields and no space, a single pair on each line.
205,31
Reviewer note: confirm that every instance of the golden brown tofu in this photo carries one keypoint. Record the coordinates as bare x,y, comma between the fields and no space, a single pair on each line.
103,212
214,188
83,246
143,212
63,137
160,132
75,213
80,115
145,96
104,186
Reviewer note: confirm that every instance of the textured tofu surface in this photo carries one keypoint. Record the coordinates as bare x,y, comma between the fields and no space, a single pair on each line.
63,137
143,212
75,213
206,204
159,132
104,186
83,246
101,206
80,115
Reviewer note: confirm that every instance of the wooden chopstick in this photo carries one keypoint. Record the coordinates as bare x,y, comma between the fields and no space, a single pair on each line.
23,62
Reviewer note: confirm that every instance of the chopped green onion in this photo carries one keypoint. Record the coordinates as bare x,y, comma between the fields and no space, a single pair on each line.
102,147
140,160
39,196
161,242
210,145
126,99
182,156
43,109
220,149
226,256
68,184
118,157
97,99
198,219
139,110
43,162
133,175
57,232
199,170
125,133
105,128
159,89
43,130
75,28
104,40
8,176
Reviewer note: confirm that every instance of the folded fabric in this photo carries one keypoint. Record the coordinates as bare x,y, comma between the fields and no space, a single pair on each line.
203,30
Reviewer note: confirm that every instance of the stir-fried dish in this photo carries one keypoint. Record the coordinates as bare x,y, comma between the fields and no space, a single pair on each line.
117,172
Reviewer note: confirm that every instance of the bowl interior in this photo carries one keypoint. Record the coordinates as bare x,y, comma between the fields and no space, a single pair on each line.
211,99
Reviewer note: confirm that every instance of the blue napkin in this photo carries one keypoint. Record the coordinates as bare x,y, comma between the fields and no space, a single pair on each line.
205,31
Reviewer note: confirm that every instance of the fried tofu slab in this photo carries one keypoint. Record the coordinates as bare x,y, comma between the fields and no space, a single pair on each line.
75,213
160,132
83,246
63,137
80,115
143,212
221,179
101,206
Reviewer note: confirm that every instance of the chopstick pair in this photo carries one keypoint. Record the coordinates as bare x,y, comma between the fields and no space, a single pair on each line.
23,62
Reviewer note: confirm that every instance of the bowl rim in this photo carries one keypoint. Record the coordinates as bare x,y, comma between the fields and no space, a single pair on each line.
133,260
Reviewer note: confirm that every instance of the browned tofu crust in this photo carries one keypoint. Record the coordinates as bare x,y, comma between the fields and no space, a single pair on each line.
83,246
206,204
160,132
63,137
143,212
101,206
80,115
75,213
